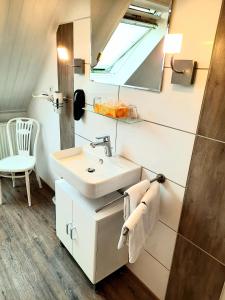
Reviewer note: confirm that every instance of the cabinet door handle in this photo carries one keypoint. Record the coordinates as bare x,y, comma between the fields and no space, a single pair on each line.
67,228
71,232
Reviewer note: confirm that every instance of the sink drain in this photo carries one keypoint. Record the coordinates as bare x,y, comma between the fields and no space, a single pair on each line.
91,170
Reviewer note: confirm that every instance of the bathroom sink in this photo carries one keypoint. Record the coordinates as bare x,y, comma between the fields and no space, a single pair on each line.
93,174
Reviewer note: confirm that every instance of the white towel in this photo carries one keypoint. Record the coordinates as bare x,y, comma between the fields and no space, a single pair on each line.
152,201
135,193
141,223
135,236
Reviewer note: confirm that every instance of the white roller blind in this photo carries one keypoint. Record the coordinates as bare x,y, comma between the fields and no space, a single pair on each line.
125,36
105,17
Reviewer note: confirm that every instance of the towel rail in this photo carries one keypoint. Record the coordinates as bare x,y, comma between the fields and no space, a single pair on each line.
160,178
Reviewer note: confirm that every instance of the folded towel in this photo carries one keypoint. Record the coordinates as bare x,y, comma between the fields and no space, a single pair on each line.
135,193
141,223
135,236
152,201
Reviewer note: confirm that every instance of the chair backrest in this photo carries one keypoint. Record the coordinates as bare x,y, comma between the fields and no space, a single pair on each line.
25,134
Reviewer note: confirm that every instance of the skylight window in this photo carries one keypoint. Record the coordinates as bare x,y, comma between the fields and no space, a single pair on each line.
124,38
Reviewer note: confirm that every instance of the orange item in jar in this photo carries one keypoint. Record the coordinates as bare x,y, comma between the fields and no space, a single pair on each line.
111,110
122,111
97,107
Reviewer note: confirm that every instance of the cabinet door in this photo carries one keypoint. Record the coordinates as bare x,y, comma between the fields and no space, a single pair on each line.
64,210
108,257
83,235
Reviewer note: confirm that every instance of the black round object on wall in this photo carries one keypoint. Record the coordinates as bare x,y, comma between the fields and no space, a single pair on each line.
78,104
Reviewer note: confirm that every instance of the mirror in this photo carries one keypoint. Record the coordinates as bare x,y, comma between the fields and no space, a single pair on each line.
127,42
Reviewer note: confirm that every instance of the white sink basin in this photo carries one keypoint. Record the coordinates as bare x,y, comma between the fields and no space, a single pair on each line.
92,174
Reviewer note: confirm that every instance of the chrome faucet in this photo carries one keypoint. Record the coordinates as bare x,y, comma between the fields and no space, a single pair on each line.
105,143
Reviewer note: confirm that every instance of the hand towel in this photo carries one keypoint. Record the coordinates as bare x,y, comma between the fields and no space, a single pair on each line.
135,193
152,201
135,236
141,223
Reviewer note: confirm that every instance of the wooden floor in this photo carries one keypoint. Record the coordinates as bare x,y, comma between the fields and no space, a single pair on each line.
33,264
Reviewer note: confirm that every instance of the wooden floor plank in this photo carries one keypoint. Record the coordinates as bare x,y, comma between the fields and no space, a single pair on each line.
34,265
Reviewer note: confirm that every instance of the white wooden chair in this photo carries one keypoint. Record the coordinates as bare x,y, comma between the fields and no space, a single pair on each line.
24,160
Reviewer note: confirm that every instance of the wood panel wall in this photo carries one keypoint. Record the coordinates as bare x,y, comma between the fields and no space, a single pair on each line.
198,268
195,275
26,28
66,85
203,215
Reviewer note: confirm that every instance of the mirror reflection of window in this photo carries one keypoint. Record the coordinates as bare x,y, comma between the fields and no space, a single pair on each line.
133,53
123,39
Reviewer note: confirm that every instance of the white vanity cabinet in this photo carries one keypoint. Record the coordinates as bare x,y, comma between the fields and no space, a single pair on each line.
90,237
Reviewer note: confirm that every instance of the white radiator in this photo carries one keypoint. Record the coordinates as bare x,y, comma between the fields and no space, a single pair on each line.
4,147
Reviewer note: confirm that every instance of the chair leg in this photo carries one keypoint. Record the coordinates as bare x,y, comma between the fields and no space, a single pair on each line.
13,180
1,200
28,187
38,178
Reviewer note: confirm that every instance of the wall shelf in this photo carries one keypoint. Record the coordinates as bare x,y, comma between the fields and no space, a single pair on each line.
124,120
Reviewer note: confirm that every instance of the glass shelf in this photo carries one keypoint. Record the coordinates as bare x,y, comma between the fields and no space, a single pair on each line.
124,120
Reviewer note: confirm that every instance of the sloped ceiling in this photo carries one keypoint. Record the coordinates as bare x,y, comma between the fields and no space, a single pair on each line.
25,29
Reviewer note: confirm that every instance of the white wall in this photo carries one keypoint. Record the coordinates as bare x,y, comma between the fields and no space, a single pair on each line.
7,115
163,143
41,109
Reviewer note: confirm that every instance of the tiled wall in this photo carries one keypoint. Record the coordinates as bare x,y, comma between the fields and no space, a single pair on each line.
164,141
200,247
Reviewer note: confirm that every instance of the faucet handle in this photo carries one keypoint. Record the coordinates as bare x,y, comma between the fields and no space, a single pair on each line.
105,138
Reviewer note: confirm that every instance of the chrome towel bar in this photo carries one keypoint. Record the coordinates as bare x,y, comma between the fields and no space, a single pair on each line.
160,178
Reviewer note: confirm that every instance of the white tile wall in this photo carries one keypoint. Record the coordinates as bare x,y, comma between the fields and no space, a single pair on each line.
197,21
82,32
94,89
80,141
171,201
157,148
151,273
92,125
175,106
161,244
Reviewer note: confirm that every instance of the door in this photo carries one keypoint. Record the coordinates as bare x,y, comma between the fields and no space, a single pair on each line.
83,236
64,214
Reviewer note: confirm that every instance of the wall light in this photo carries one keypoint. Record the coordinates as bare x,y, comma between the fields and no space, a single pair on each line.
183,70
79,64
63,53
